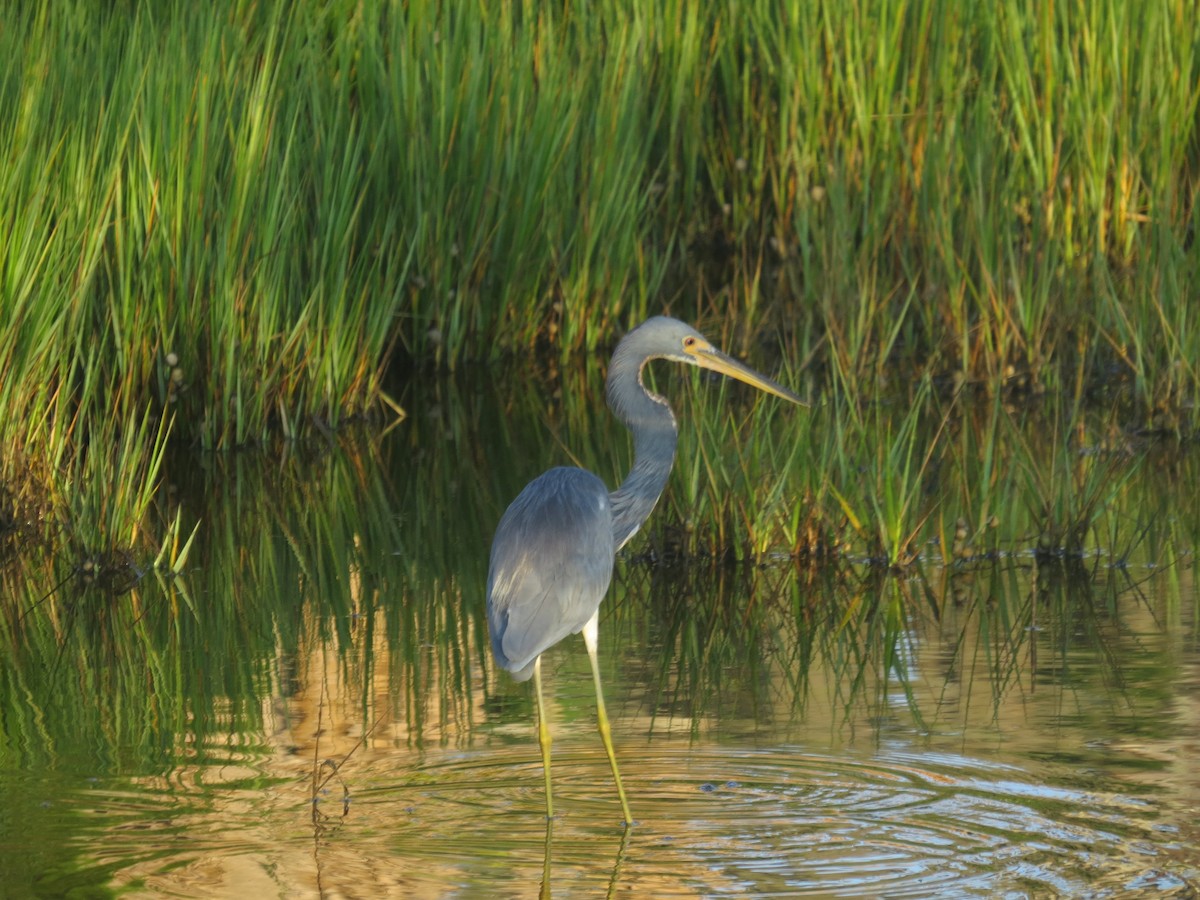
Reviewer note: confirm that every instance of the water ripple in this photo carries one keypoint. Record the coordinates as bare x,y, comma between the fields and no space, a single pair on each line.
785,823
713,821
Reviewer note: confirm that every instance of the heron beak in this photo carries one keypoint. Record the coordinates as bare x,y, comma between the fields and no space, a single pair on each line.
709,357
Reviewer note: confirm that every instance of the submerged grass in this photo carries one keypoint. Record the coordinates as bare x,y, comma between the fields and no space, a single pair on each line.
237,244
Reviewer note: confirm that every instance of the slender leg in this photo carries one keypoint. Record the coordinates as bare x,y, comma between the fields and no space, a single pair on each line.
590,634
543,733
545,893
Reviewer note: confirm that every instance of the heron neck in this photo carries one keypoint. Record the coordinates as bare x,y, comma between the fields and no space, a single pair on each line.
654,437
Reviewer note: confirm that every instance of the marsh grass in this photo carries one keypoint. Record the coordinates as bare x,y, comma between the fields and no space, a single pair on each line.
362,562
237,245
927,476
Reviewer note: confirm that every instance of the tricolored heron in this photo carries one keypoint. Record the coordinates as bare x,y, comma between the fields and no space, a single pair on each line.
552,556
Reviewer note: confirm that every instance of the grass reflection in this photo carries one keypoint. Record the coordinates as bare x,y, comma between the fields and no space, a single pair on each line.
344,583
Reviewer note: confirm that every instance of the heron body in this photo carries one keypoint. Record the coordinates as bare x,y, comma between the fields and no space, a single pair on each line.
553,552
552,560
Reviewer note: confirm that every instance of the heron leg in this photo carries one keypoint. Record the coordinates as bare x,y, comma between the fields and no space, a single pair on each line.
544,893
543,733
590,637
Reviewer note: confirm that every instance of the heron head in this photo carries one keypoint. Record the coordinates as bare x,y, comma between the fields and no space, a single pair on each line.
693,348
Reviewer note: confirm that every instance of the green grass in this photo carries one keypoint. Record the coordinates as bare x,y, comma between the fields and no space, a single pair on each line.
223,224
367,558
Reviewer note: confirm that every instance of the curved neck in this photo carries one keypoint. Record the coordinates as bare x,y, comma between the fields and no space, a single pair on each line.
655,434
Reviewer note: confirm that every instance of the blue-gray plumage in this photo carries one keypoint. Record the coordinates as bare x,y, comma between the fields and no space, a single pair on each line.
552,560
553,552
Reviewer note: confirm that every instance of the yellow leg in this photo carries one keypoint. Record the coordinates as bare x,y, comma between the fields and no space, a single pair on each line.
543,734
545,893
590,633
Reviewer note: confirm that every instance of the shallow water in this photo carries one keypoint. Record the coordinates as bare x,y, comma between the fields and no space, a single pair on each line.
1077,783
1035,736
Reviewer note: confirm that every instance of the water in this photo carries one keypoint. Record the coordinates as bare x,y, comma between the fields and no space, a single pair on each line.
780,732
1075,783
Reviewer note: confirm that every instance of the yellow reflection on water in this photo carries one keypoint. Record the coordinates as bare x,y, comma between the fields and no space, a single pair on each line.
1034,753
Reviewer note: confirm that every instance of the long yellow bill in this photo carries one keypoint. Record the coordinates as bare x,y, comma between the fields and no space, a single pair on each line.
709,357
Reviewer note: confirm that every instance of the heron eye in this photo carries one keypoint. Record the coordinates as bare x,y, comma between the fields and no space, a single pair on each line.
689,342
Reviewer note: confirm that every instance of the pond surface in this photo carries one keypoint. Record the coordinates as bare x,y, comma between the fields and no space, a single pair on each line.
783,730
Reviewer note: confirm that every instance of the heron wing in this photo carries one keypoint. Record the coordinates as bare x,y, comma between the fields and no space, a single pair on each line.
551,565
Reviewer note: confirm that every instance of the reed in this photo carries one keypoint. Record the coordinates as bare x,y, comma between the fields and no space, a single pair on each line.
238,245
357,567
